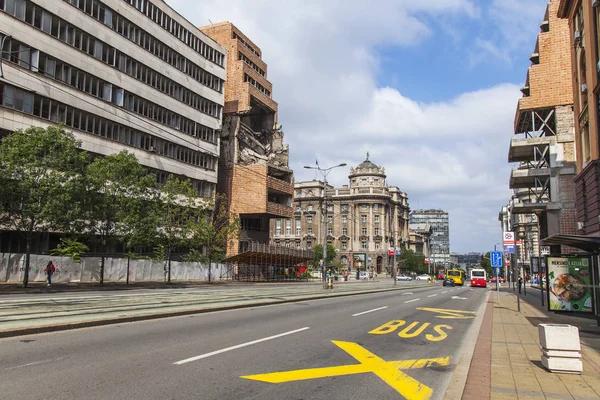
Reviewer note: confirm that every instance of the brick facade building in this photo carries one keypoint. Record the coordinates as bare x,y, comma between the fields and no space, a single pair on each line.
543,145
582,20
253,167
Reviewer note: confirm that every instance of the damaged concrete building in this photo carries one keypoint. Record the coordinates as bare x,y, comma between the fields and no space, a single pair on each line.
253,165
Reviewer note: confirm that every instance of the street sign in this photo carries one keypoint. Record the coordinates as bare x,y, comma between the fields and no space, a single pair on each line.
496,270
496,259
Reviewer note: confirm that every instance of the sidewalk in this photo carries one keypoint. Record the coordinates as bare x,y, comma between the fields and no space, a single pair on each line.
508,354
29,314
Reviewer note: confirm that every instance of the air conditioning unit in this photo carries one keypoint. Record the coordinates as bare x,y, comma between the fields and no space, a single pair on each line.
580,225
584,88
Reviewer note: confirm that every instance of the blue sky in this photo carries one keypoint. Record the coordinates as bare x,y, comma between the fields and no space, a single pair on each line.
428,87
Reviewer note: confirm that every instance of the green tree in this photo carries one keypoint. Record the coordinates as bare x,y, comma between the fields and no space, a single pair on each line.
318,249
179,209
486,264
117,187
213,229
411,261
40,183
70,248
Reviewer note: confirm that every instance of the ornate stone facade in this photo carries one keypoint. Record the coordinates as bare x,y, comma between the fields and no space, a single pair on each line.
364,218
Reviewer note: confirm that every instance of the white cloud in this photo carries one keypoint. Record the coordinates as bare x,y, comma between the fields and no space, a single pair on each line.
323,62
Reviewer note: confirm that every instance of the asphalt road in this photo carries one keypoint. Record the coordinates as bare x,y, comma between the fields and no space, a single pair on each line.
218,355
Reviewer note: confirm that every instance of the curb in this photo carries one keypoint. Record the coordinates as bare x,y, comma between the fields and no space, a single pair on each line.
458,380
111,321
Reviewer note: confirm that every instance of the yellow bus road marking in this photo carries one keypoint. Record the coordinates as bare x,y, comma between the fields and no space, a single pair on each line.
388,371
449,314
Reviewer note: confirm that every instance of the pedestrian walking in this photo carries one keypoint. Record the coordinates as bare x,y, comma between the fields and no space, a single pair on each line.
50,269
520,283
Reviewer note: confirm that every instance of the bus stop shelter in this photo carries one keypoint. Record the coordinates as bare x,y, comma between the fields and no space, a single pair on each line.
268,263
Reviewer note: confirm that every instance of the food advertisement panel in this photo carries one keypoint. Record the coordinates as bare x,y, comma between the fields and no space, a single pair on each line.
569,284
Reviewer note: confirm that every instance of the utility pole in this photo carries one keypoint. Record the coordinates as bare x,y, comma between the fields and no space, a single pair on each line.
539,240
324,172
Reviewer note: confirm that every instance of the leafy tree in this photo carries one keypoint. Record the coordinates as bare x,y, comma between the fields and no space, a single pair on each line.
70,248
318,249
40,182
179,207
212,231
410,261
117,186
486,264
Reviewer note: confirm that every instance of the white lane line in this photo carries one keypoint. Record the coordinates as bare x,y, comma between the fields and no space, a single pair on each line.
433,295
239,346
33,363
445,291
366,312
410,301
406,294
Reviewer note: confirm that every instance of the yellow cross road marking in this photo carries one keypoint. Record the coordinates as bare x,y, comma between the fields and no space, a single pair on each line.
388,371
450,314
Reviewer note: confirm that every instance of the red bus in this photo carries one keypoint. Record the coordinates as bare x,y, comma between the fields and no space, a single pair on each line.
478,278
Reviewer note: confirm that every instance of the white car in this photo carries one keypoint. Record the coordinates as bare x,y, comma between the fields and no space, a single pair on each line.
403,278
422,277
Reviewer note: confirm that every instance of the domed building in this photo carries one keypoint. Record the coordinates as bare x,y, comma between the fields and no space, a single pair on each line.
364,218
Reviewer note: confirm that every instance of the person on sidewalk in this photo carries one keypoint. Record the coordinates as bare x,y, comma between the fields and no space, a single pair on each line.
346,275
50,269
520,283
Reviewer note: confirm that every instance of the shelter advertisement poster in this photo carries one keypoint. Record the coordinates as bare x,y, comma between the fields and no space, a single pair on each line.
569,284
359,260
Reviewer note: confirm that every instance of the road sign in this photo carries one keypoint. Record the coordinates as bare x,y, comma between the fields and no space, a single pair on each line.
496,259
496,270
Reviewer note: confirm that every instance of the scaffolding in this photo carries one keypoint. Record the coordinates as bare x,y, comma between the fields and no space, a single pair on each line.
268,263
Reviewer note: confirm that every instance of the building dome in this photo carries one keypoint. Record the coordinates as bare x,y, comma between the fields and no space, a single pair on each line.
368,169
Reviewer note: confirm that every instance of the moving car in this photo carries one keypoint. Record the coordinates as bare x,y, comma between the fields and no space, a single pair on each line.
422,277
403,278
448,282
500,279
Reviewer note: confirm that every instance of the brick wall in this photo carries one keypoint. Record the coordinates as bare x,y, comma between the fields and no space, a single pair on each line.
550,81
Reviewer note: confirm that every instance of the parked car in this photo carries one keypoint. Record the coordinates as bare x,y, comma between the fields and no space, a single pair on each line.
422,277
448,282
500,279
403,278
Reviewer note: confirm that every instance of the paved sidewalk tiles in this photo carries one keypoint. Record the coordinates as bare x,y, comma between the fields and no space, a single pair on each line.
514,353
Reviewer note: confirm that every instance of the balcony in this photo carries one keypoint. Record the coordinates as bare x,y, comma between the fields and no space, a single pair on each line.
280,185
528,149
279,210
528,177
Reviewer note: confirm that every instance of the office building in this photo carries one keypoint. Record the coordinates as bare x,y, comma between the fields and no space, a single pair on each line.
440,233
121,75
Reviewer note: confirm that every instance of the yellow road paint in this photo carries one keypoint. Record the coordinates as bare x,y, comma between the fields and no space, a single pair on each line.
407,334
388,327
440,330
449,314
388,371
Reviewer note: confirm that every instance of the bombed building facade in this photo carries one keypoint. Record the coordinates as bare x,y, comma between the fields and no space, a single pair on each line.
253,165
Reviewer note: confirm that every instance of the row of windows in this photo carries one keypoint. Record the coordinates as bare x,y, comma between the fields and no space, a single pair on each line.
176,29
248,78
132,32
343,207
37,61
42,107
75,37
309,231
203,188
364,245
252,65
236,36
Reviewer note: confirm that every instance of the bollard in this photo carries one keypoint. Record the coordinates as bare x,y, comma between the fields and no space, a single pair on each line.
560,348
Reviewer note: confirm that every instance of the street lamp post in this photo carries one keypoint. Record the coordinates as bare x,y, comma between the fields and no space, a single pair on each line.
324,172
539,240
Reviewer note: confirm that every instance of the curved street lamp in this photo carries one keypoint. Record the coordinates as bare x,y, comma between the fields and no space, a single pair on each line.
324,172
